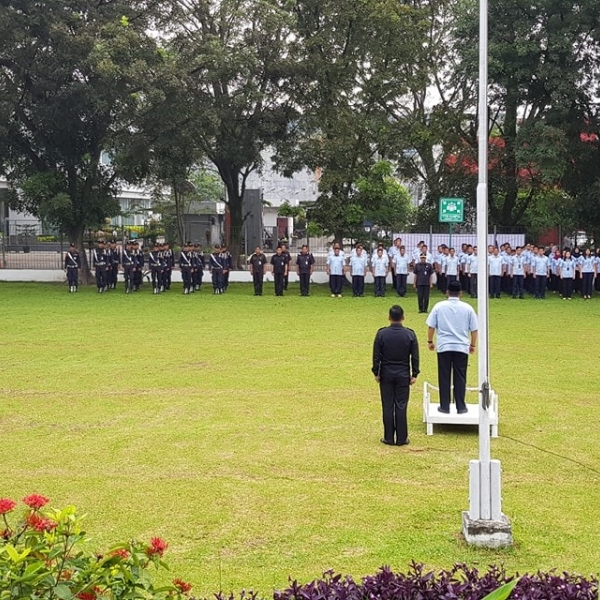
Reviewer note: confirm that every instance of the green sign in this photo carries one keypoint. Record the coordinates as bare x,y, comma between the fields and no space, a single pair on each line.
452,210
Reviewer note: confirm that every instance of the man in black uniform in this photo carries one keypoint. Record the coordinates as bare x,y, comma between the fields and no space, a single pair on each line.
305,264
395,367
169,259
72,264
227,260
100,264
288,257
157,266
280,268
257,262
216,268
114,259
422,284
128,261
186,261
139,262
199,264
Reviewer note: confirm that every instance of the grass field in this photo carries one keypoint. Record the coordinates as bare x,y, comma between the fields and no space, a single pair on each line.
246,430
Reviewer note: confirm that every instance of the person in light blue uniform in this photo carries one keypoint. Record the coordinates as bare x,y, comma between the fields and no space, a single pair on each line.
401,264
358,270
335,270
495,270
540,274
566,270
380,267
588,269
472,272
451,266
393,251
517,273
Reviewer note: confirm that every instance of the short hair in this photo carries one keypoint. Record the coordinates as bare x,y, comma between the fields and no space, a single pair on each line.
454,288
396,313
303,246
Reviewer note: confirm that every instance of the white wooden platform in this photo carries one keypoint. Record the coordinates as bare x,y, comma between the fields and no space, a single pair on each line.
431,415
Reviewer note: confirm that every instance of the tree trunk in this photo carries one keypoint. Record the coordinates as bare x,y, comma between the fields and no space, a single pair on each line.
76,237
178,197
236,224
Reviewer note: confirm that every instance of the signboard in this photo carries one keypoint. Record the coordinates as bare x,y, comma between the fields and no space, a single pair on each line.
452,210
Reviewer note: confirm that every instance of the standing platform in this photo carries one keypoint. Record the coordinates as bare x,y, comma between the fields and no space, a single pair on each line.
431,415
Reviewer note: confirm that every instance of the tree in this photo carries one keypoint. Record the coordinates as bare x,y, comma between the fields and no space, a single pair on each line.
74,75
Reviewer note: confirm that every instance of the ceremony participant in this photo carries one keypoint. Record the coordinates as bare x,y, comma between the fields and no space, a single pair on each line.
576,255
393,251
566,271
140,261
451,266
395,367
472,267
113,262
495,271
423,273
186,262
305,264
439,266
157,265
216,265
380,268
456,325
539,267
288,257
588,269
169,260
401,265
72,266
358,269
279,264
128,263
335,270
517,273
227,262
100,264
257,262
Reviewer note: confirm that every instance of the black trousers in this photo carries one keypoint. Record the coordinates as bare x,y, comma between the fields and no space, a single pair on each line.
186,276
452,367
423,297
137,277
358,285
577,283
567,287
217,280
394,402
495,283
473,285
304,283
257,279
167,278
539,286
380,286
128,276
586,284
286,281
442,283
101,277
72,276
279,283
517,286
336,282
401,284
157,278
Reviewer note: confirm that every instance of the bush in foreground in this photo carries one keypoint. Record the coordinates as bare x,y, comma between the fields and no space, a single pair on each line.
43,556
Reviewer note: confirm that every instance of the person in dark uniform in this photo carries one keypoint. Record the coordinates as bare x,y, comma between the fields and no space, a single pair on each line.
100,264
157,265
72,265
422,283
186,261
114,261
199,265
216,269
227,260
280,266
128,261
139,266
305,264
395,367
257,262
169,259
288,257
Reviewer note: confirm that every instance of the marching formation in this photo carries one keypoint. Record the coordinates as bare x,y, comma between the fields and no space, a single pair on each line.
511,271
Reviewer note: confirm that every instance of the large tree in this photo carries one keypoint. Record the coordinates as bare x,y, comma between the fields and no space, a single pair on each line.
74,75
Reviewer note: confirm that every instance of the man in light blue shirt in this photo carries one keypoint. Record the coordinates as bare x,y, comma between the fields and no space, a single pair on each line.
539,266
451,266
495,270
380,267
401,264
358,270
335,270
456,325
472,270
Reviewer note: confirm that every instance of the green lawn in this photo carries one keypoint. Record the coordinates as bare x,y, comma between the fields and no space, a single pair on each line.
246,431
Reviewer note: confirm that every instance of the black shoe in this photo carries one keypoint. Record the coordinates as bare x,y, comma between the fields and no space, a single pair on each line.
440,409
406,443
384,441
462,411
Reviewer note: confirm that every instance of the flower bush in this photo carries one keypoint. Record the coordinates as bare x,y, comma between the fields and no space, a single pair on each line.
43,556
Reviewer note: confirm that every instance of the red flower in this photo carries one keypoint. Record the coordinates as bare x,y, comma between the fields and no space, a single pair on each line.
6,505
35,501
86,596
157,546
121,553
41,523
183,586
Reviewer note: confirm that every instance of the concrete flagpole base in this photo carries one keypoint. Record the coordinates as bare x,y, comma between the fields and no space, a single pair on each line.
487,533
